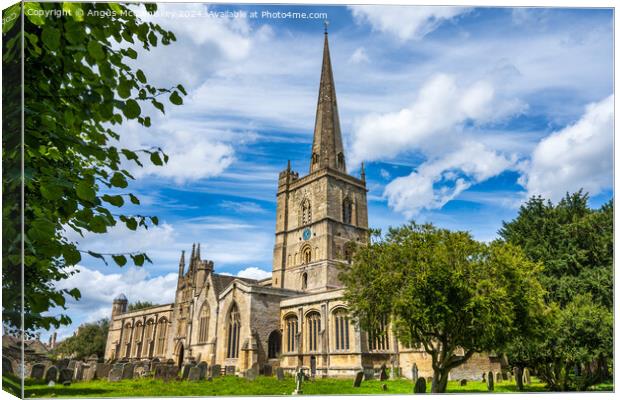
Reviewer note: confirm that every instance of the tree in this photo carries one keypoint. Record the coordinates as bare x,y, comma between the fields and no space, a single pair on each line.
575,244
139,305
88,340
78,90
443,291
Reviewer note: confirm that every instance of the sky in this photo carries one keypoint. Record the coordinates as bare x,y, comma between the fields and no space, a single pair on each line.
459,114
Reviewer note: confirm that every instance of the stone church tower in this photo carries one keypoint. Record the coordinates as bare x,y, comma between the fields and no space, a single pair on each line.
318,216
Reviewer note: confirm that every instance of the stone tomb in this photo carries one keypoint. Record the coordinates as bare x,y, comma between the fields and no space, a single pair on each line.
128,371
65,376
37,371
116,373
102,370
78,371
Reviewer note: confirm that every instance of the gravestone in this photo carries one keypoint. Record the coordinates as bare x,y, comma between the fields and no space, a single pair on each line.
312,366
71,364
194,374
490,384
51,374
89,371
128,371
230,370
508,376
526,376
37,371
203,367
139,371
299,378
384,387
505,375
65,376
279,373
160,371
484,377
463,382
172,372
102,370
498,377
185,371
78,371
420,386
252,372
7,365
62,363
116,373
267,370
359,376
414,373
383,374
216,370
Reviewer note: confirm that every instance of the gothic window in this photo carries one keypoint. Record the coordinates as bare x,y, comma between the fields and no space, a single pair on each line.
315,158
348,251
291,333
304,281
378,338
148,339
340,160
306,212
234,328
204,324
127,339
341,329
307,255
138,339
161,337
274,344
347,210
313,326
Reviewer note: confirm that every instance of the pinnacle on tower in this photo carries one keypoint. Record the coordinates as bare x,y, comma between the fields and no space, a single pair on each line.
327,150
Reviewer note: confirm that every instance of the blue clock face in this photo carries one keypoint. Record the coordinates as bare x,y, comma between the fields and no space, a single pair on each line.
307,233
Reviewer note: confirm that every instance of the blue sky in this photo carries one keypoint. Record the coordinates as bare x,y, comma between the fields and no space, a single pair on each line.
459,114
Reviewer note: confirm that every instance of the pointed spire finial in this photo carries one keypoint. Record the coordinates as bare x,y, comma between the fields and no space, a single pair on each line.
326,24
182,260
198,252
288,165
363,173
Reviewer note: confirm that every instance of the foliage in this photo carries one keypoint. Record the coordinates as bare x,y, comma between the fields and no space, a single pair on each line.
139,305
444,292
79,88
571,346
89,339
237,386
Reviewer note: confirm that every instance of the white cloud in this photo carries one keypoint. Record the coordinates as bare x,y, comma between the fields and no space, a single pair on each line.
406,22
359,56
243,207
578,156
385,174
440,180
254,273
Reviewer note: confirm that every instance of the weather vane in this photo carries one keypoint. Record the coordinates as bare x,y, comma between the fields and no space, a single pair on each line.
326,24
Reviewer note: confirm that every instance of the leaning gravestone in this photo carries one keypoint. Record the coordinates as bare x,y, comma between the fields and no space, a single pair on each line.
484,377
526,376
89,372
37,371
185,371
7,365
498,377
78,371
252,372
420,386
279,373
116,373
216,370
463,382
383,374
193,374
65,376
414,373
490,384
102,370
51,374
128,371
358,379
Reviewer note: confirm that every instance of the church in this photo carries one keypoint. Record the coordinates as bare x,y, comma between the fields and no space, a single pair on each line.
297,317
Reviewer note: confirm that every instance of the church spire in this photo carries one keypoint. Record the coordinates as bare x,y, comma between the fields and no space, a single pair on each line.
327,150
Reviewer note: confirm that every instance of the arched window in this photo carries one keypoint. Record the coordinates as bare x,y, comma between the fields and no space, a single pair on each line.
306,212
313,326
315,158
348,251
274,344
204,323
378,338
341,329
127,339
291,333
234,328
347,210
304,281
147,347
306,255
162,328
340,160
138,339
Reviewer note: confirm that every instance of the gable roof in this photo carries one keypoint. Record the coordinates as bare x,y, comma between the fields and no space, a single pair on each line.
221,282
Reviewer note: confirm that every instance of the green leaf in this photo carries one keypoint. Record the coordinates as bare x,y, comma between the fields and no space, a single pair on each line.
131,53
140,75
124,89
98,224
95,50
75,10
50,37
116,200
51,191
132,109
85,191
10,16
34,13
176,99
71,255
120,259
138,259
134,199
116,8
118,180
158,105
182,89
152,39
155,220
99,256
155,159
131,223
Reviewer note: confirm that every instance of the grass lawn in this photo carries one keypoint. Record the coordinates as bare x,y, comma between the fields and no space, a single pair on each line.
234,386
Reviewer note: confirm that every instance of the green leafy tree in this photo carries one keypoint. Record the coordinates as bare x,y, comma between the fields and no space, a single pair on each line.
575,244
139,305
79,88
443,291
88,340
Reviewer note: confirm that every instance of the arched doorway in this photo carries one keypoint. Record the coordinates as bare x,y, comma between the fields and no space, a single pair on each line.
181,354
